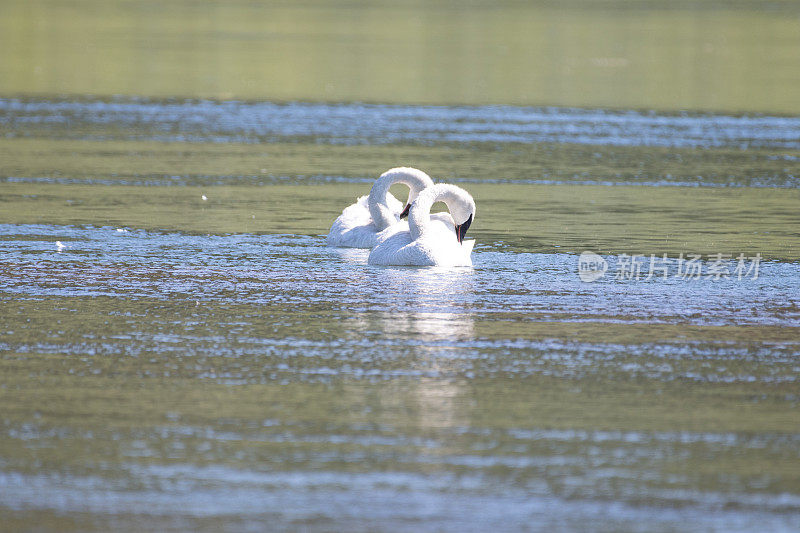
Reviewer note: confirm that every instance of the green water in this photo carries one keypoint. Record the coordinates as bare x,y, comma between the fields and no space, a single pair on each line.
175,362
728,56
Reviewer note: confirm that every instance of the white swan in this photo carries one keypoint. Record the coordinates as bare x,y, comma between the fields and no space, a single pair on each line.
429,240
359,224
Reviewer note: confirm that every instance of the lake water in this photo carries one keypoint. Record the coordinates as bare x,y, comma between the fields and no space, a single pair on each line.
179,350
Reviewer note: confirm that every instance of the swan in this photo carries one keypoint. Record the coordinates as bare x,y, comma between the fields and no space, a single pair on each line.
429,239
360,224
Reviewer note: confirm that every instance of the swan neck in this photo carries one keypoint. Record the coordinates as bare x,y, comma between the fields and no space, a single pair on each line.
458,202
379,205
378,202
419,216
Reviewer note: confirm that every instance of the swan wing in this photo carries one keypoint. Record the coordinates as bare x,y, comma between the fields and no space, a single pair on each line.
353,228
352,236
395,205
399,227
445,219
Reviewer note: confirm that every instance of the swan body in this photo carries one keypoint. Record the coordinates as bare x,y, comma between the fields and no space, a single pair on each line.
354,228
431,240
363,223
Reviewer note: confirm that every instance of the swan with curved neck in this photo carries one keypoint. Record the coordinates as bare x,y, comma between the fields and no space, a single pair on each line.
364,223
431,240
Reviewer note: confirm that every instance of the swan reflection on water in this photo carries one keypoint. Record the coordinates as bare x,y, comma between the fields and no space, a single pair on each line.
438,396
428,312
427,326
428,304
431,363
429,288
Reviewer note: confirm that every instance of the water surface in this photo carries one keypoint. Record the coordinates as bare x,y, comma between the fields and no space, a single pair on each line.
170,380
180,351
629,54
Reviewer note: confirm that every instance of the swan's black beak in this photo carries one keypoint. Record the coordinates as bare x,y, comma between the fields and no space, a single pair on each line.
461,229
404,214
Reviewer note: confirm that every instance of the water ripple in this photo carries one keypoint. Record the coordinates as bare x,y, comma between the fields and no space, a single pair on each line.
235,121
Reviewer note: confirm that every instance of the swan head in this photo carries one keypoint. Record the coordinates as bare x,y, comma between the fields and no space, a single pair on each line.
461,229
459,202
462,209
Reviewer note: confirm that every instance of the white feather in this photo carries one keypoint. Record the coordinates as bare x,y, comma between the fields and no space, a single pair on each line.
429,240
360,224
